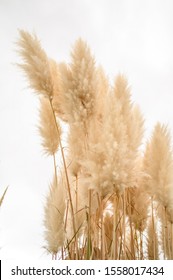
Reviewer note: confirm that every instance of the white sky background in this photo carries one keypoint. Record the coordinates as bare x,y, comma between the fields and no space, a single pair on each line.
128,36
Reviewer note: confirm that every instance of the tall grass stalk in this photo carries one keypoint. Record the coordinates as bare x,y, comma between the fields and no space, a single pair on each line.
66,172
3,196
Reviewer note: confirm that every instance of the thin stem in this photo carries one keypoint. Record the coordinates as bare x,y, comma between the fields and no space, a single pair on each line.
115,241
124,222
137,250
89,244
102,234
141,246
76,211
171,241
65,170
55,170
62,253
131,228
153,227
165,232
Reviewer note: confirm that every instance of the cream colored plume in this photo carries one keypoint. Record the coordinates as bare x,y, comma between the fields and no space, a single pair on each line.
158,164
79,83
138,207
54,217
40,70
49,127
111,162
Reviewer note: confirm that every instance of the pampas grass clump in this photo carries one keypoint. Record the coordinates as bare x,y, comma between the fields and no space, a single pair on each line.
108,199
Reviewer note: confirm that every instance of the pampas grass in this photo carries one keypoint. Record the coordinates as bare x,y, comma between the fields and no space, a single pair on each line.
47,128
109,200
54,217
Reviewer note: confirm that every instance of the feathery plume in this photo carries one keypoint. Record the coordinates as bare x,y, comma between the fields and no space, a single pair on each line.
79,84
158,164
38,67
48,128
133,121
138,201
54,217
109,166
103,90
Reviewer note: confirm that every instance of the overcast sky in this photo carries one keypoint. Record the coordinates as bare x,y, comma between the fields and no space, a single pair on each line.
128,36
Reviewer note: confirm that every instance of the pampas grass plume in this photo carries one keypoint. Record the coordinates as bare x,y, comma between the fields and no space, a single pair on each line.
54,217
48,128
37,66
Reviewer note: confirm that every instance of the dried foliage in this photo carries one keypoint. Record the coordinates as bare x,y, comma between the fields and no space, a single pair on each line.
47,127
3,196
109,200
